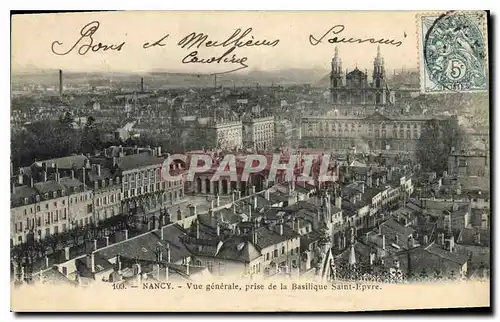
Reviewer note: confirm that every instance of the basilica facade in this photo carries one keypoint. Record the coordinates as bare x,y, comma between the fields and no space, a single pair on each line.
354,88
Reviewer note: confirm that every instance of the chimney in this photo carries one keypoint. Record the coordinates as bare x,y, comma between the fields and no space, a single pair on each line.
168,252
20,179
252,190
98,166
125,233
107,240
192,210
372,258
217,202
44,176
159,151
197,230
179,214
83,176
156,271
267,194
234,208
72,174
60,82
255,203
383,242
66,253
187,268
233,196
254,237
162,234
249,212
91,262
118,263
280,227
31,182
441,239
451,244
338,202
46,262
95,244
239,194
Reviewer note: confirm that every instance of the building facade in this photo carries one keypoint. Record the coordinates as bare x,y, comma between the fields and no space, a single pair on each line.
259,133
375,132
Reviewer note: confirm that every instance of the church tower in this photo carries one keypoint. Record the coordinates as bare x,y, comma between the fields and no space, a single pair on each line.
379,79
336,77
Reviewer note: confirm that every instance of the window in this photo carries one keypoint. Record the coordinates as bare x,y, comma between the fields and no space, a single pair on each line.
275,253
46,206
56,230
89,209
267,256
210,267
64,214
297,250
47,231
282,250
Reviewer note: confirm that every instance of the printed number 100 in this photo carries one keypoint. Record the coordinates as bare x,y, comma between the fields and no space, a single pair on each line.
118,286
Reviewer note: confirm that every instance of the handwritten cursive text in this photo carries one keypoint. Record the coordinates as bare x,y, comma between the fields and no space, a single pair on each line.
236,40
86,42
192,57
337,29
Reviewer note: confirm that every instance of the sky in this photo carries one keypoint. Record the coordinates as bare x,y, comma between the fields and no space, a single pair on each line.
33,36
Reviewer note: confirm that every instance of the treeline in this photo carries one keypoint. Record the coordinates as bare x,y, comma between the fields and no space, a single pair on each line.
435,143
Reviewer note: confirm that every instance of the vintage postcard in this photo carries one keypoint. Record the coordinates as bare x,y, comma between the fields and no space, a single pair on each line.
250,161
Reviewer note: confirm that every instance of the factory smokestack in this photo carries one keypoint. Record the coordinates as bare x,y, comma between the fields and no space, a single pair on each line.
60,82
142,84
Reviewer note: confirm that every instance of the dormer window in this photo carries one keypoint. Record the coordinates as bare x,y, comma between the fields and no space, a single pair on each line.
46,196
37,198
54,194
25,201
62,192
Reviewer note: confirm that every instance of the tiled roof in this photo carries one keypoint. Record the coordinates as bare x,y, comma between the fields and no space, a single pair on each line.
135,161
447,255
145,246
77,161
469,236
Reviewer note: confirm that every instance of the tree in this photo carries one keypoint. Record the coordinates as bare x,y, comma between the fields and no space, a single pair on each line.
435,143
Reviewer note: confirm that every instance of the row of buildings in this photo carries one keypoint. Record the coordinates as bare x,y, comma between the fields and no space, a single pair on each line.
58,195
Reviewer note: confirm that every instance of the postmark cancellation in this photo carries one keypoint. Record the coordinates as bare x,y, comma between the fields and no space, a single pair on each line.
453,51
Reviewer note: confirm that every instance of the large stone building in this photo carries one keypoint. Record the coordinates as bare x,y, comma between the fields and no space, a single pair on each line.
258,133
375,132
353,88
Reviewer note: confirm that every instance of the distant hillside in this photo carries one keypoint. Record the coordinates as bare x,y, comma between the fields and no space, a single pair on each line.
164,79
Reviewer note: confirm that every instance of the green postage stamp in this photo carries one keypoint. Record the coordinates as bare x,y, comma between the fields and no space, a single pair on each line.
453,51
